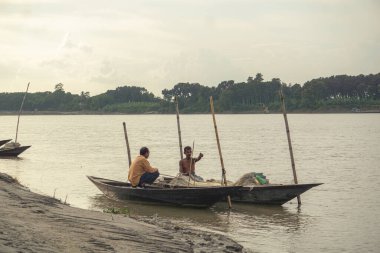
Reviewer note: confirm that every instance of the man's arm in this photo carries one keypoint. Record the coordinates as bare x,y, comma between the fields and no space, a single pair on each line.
148,168
199,157
181,166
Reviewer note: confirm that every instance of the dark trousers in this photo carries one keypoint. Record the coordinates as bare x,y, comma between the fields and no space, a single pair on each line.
148,178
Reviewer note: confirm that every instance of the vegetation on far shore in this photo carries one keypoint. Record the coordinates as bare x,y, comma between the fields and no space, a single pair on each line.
340,93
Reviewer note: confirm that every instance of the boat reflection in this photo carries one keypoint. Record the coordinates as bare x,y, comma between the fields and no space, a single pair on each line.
262,217
242,217
16,158
152,209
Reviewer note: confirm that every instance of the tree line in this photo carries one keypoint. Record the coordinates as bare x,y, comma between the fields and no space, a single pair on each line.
335,93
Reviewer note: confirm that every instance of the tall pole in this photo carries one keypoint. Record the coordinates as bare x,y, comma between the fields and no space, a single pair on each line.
224,181
179,128
289,142
19,113
191,164
127,143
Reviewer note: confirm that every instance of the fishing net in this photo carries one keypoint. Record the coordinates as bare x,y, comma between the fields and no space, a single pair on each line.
249,179
252,178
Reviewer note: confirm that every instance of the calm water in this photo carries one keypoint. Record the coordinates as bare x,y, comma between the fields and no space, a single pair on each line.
340,150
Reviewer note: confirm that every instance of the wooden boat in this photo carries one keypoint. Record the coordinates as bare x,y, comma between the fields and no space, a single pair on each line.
2,142
270,194
185,196
13,152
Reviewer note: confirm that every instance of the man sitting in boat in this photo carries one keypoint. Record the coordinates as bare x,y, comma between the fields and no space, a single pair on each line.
140,172
187,162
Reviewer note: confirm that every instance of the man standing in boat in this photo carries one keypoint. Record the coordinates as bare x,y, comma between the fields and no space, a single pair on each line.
140,172
187,162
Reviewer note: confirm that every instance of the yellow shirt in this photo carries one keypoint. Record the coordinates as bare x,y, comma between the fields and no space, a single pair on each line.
138,167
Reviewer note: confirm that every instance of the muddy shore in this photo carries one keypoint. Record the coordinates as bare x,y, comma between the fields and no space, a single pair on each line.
30,222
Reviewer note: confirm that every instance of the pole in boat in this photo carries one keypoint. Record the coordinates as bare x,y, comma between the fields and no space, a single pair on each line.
191,164
127,143
179,128
220,151
19,113
289,142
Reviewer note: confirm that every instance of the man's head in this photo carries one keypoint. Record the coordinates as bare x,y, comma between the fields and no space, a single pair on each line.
187,151
144,151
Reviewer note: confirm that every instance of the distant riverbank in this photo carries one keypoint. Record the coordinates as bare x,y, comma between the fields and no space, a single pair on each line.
332,110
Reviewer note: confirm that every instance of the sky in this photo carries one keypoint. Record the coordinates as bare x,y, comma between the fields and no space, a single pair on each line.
97,46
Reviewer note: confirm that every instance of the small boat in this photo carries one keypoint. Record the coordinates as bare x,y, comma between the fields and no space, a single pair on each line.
270,194
2,142
187,196
12,152
13,149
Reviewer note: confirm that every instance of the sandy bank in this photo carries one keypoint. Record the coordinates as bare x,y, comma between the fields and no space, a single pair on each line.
30,222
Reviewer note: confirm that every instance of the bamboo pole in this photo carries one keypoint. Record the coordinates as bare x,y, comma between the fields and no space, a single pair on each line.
220,151
19,113
191,164
127,143
179,129
289,142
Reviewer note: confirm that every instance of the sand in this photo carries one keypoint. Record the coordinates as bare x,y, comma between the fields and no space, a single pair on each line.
30,222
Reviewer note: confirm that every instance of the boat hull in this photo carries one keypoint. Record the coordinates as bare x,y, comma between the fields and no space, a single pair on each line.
13,152
201,197
2,142
270,194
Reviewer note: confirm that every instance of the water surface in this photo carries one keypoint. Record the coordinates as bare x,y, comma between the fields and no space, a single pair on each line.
340,150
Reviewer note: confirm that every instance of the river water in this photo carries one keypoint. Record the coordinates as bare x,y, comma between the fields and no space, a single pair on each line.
340,150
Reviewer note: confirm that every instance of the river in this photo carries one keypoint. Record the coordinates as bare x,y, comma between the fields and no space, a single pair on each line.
340,150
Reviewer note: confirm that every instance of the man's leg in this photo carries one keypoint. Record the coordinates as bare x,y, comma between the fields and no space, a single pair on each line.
196,178
148,178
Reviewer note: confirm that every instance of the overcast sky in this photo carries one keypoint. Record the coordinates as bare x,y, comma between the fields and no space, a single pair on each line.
99,45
